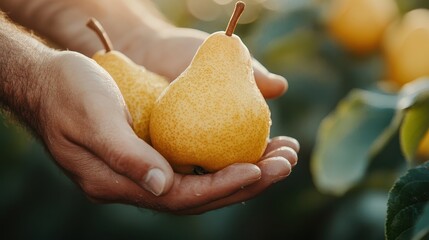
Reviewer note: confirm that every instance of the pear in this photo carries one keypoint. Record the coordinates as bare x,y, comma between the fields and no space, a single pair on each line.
213,114
139,87
406,48
359,25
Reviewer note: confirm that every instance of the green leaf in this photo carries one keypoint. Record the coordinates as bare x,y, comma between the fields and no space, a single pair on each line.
414,102
360,215
421,230
413,93
408,200
346,138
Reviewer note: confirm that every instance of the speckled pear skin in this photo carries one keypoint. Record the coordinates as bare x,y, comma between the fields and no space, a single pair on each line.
139,87
213,114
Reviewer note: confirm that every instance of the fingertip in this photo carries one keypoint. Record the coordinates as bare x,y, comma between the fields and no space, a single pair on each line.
281,81
279,141
247,172
271,85
275,168
154,181
287,152
132,157
159,176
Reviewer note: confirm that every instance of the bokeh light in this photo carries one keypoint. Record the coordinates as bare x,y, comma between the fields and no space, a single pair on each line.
203,10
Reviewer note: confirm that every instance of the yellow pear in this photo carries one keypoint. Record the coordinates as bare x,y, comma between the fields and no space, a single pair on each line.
406,47
213,114
359,24
423,150
139,87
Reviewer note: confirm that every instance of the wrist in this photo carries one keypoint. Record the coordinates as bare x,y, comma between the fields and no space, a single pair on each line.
25,84
23,74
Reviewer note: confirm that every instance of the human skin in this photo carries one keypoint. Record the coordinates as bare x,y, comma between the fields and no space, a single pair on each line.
136,28
77,111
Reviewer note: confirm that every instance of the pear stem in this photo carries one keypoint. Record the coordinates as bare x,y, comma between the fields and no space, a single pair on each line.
96,26
239,8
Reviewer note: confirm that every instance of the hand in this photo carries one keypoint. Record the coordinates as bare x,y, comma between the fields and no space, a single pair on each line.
87,129
136,28
169,51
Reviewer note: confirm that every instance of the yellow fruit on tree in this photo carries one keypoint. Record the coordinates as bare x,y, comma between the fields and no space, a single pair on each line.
423,150
406,47
359,24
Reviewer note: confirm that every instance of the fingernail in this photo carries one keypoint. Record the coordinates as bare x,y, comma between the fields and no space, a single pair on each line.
154,181
278,169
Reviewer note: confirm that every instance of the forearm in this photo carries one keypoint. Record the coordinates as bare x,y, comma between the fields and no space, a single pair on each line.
21,72
63,22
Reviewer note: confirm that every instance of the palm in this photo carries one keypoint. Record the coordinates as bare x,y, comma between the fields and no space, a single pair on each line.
172,50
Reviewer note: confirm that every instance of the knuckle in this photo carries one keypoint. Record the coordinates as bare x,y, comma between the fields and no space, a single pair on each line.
93,191
292,143
120,160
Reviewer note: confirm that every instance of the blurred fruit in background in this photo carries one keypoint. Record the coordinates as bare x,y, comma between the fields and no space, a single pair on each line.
423,151
359,24
406,47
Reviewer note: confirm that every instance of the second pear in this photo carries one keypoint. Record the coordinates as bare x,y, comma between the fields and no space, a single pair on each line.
139,87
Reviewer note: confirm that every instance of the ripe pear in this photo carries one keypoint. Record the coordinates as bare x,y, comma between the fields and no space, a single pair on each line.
139,86
423,150
213,114
359,24
406,47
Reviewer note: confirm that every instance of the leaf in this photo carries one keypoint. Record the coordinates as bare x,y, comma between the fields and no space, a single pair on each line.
346,138
421,229
360,215
277,26
408,200
414,102
413,129
413,92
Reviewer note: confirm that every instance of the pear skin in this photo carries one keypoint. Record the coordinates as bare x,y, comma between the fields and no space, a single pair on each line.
213,114
406,48
139,87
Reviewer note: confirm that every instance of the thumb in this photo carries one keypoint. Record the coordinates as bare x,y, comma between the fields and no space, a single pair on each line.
93,115
271,85
130,156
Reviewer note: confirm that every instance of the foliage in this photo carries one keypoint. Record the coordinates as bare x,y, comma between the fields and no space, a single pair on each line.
407,215
414,103
346,140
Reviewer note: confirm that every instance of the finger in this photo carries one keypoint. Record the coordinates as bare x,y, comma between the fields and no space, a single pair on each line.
282,158
285,152
130,156
281,141
189,191
107,133
97,180
271,85
273,170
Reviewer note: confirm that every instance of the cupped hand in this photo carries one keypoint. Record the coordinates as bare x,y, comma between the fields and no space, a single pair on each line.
170,50
86,127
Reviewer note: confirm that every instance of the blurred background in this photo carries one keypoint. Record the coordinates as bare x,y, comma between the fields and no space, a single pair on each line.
324,51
